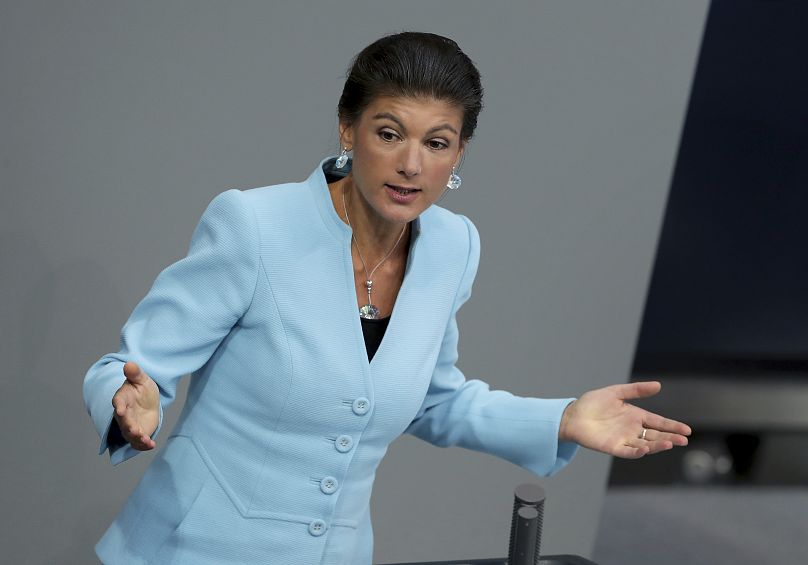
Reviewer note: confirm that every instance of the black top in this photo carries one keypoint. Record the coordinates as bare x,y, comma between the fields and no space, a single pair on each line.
373,330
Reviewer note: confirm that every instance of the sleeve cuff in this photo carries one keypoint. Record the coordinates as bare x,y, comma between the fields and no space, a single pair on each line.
548,442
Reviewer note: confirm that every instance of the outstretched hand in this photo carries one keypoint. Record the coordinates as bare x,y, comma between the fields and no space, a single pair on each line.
602,420
136,407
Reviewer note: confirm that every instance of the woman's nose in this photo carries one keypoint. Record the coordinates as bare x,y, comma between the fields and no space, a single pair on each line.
410,163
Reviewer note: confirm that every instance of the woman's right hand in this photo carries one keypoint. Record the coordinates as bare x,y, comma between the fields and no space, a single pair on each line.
136,407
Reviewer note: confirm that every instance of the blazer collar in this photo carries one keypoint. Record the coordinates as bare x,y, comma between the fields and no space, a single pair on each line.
318,180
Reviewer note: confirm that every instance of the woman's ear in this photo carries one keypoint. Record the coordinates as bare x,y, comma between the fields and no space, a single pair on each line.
460,152
345,135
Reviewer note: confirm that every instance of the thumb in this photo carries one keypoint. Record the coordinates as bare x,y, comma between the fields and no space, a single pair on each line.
133,373
640,389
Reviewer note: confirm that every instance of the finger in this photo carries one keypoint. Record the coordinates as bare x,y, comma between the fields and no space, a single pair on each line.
674,439
657,422
631,450
119,405
657,446
127,423
137,443
133,373
134,435
130,430
641,389
143,443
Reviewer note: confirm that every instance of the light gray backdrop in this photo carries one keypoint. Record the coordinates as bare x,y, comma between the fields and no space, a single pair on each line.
121,120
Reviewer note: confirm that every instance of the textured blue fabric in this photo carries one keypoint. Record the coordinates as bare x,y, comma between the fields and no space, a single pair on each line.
275,451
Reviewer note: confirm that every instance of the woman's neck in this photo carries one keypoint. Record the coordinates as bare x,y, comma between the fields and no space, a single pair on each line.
374,235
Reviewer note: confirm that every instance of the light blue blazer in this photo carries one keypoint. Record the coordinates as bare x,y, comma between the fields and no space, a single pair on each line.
274,455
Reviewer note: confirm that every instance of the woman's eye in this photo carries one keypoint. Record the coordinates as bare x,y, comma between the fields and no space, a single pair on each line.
387,135
435,144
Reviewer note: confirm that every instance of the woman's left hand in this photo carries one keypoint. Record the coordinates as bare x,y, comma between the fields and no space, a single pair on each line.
602,420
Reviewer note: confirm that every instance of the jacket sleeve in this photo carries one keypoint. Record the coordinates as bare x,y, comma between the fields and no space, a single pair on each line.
189,309
465,413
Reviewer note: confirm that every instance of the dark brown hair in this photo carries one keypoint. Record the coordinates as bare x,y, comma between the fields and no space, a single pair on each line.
413,64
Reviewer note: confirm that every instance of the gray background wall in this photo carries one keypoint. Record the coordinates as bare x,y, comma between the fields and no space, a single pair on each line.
121,120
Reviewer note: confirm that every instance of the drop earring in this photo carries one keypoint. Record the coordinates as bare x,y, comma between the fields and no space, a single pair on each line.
342,159
454,181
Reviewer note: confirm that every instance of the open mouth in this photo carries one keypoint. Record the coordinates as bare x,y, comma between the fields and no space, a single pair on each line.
402,191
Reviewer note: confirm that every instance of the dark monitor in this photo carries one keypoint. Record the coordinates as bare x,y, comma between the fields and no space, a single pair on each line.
729,290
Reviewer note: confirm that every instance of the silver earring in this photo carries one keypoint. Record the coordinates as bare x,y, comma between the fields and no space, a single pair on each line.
342,159
454,181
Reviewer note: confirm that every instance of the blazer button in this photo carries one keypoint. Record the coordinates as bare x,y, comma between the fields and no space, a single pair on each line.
360,406
344,443
317,528
329,485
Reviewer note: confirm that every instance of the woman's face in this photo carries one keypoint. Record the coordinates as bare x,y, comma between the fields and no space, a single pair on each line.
403,153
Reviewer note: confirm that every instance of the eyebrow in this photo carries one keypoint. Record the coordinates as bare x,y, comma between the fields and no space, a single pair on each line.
389,116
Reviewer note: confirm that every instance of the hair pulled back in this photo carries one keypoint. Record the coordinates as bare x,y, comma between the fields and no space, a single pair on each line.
413,64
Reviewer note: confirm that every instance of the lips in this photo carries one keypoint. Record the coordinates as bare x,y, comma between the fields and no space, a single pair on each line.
402,194
403,190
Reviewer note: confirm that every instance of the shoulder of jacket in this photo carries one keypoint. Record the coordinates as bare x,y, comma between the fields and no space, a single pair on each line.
456,229
276,194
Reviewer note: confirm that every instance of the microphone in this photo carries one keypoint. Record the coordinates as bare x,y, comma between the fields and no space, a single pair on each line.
526,525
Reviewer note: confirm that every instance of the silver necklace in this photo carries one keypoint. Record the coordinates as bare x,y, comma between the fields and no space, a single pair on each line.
369,311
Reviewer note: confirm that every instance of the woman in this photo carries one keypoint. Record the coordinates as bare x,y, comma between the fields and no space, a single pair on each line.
279,311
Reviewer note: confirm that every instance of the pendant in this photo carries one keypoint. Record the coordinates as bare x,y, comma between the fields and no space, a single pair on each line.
369,312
